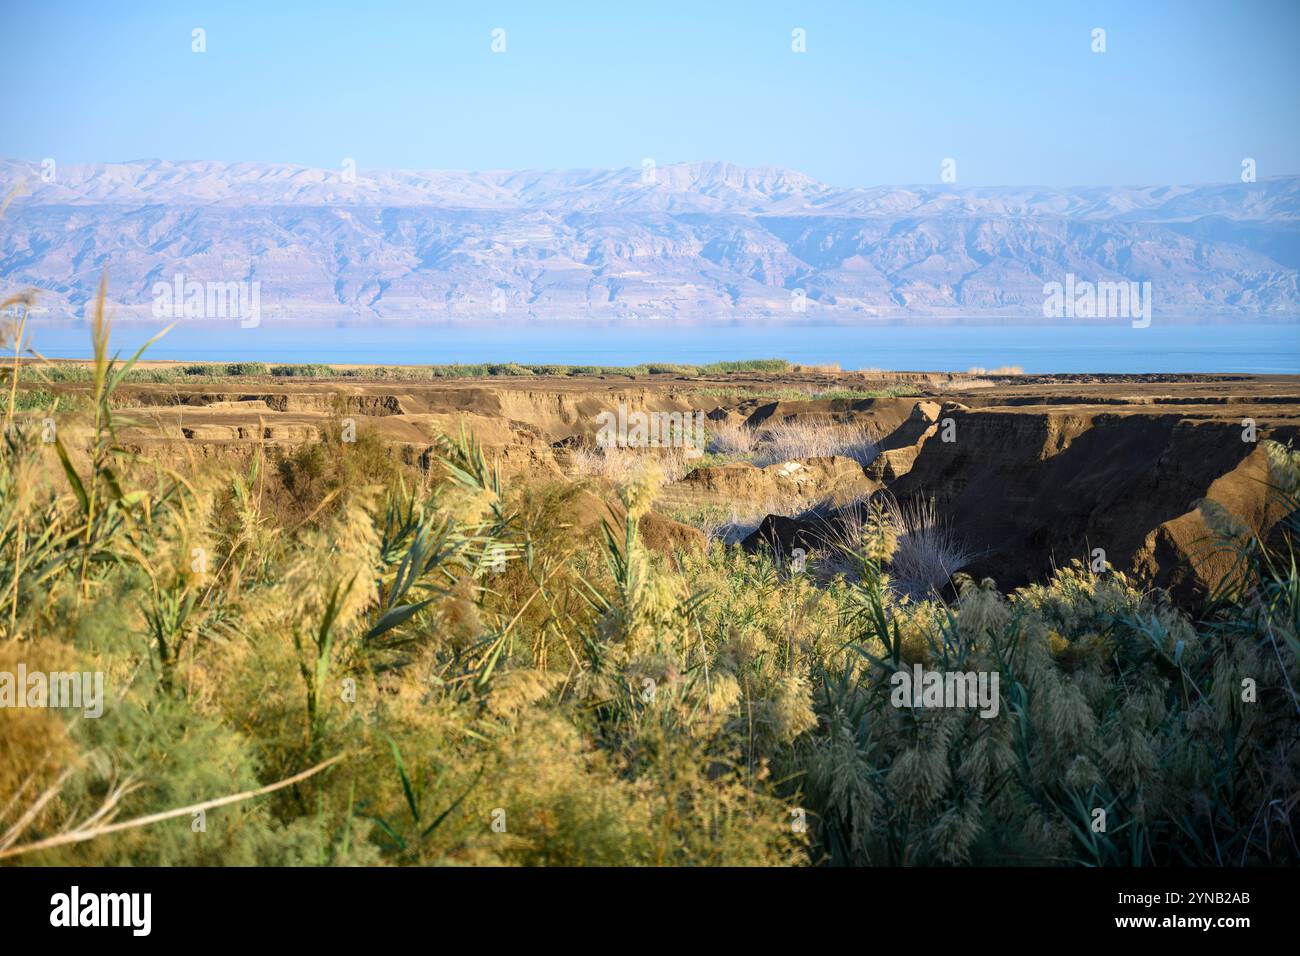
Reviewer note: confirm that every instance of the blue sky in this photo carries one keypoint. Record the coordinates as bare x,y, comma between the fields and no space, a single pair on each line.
885,91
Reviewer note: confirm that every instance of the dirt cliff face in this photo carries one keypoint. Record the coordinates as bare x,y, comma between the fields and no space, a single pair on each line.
802,484
1033,490
1030,472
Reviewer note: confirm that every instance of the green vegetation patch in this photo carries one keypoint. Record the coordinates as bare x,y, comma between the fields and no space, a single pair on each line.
247,368
303,371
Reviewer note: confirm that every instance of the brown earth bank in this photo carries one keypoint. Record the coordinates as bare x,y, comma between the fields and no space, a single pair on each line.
1029,472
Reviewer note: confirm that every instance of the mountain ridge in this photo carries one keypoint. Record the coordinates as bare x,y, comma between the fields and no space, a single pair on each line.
695,241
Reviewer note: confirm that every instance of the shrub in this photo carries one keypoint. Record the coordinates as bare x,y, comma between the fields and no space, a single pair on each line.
746,365
459,371
66,372
38,399
302,371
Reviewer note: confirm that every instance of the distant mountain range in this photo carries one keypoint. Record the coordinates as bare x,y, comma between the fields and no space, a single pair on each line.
700,241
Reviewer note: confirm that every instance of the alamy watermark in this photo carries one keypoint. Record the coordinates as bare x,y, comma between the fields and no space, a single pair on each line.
59,689
624,429
130,910
923,688
191,299
1082,299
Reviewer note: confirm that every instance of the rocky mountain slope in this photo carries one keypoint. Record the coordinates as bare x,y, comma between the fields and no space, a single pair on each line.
686,242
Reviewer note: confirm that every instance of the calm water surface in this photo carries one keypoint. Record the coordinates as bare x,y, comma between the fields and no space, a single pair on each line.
1167,348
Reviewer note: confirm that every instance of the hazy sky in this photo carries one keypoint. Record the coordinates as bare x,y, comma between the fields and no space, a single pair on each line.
884,93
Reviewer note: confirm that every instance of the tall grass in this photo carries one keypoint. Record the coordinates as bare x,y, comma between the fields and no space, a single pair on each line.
628,464
790,440
929,552
728,437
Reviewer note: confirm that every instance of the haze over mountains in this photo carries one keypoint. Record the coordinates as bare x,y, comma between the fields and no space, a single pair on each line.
696,242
